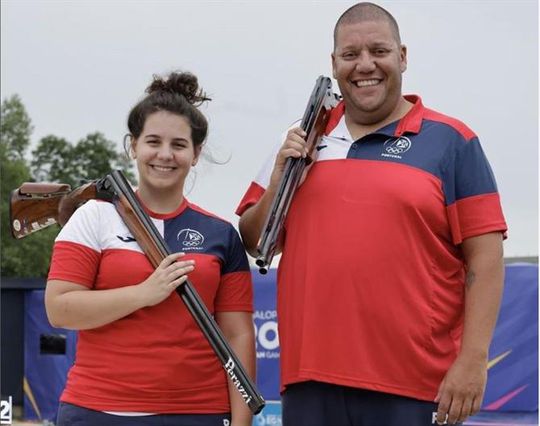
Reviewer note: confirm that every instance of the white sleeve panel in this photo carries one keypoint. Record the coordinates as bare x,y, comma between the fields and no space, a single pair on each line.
263,177
83,227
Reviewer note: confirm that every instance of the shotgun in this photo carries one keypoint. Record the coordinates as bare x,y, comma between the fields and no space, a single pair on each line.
36,206
314,122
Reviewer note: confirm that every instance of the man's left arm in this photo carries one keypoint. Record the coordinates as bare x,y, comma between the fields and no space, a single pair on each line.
462,389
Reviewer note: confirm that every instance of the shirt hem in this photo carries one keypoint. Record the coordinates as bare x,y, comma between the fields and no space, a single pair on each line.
173,407
307,375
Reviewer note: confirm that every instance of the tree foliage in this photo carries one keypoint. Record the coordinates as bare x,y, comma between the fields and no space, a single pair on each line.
56,160
28,257
15,129
53,160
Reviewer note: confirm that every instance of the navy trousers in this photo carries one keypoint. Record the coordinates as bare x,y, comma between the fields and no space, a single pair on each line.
73,415
323,404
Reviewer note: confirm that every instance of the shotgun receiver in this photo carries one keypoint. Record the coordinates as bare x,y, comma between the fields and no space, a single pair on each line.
37,206
314,122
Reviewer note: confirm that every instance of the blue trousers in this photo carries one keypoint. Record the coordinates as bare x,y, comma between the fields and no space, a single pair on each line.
73,415
323,404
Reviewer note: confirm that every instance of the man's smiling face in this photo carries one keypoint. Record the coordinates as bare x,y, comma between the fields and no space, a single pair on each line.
367,63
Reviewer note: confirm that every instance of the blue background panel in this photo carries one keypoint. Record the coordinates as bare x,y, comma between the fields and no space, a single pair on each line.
512,378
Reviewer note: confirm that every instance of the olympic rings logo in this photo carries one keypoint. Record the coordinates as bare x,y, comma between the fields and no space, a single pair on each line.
190,237
191,243
397,146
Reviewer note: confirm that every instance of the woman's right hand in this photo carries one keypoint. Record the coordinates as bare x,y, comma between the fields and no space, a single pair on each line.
170,273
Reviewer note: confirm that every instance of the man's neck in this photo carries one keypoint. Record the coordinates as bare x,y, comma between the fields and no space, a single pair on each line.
359,130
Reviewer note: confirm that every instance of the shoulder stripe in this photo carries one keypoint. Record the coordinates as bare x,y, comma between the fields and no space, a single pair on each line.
456,124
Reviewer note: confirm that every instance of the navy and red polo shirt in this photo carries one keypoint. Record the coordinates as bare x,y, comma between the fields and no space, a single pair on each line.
371,279
155,360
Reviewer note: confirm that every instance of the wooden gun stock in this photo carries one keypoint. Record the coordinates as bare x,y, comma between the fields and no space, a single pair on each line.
314,123
36,206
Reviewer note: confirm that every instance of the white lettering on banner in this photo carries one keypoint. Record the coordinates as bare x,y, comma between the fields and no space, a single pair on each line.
265,315
229,368
268,420
267,354
6,411
267,335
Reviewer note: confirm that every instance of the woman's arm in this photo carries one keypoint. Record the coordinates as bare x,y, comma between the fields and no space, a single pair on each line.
74,306
238,329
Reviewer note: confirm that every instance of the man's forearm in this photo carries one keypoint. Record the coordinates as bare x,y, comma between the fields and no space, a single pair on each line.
483,292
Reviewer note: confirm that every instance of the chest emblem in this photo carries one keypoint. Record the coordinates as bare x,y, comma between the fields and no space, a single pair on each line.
395,147
190,238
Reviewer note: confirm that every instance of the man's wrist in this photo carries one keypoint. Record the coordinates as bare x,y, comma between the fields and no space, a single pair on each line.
478,354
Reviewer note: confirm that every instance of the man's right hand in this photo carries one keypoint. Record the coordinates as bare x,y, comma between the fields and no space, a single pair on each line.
295,146
252,220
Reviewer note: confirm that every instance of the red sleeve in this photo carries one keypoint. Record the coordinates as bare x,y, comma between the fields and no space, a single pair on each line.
476,215
235,293
75,263
251,197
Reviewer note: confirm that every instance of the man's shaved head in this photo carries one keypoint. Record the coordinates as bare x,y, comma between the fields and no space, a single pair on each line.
362,12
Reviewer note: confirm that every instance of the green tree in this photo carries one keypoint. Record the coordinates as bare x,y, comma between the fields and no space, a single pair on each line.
15,129
28,257
95,156
56,160
53,161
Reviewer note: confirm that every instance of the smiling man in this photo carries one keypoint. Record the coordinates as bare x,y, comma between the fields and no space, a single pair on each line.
391,273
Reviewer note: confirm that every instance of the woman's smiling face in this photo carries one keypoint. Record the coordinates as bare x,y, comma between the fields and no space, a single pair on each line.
164,152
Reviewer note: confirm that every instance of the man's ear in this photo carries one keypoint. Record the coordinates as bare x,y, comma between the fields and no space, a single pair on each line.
333,64
403,58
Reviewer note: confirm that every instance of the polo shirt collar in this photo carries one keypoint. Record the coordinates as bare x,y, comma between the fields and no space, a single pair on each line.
412,121
409,123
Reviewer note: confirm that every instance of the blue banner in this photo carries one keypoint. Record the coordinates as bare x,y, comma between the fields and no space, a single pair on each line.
48,354
267,341
513,369
513,354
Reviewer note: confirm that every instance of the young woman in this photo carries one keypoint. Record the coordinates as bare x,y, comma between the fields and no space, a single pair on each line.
141,359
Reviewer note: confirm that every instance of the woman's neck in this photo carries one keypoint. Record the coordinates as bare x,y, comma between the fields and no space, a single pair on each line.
160,201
